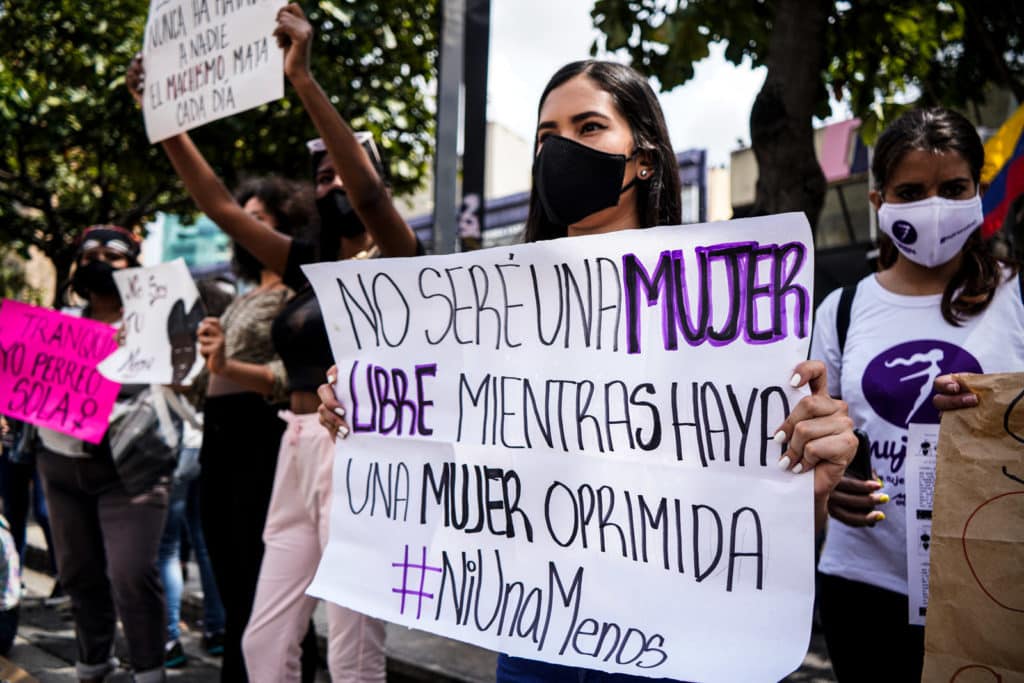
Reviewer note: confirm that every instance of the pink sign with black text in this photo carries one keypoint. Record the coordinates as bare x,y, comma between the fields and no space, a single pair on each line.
48,373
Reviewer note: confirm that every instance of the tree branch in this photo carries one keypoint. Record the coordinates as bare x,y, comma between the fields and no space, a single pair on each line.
146,207
20,198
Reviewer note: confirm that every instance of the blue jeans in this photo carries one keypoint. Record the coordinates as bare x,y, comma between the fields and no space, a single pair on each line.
183,515
518,670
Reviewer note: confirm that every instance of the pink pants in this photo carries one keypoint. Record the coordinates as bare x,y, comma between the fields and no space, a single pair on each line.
295,536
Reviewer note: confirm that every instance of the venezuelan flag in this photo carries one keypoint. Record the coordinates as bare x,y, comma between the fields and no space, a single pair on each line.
1003,171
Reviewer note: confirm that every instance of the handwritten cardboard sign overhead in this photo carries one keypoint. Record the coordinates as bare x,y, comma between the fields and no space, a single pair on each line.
48,374
563,450
975,627
162,312
208,59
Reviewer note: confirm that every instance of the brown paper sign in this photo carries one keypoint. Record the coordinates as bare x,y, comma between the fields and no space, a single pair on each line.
975,629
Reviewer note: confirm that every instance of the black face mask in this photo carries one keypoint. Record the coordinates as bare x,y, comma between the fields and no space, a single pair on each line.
574,181
337,219
96,277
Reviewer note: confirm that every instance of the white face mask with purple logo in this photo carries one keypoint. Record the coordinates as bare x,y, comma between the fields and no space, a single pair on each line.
932,231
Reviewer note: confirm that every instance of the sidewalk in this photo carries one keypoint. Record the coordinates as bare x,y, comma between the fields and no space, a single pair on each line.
46,647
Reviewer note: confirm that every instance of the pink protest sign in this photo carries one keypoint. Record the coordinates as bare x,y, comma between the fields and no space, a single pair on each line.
48,373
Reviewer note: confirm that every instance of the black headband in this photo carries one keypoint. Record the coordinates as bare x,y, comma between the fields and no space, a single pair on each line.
110,236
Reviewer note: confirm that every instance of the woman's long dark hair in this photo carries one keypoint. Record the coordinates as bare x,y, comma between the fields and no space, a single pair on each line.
972,287
289,202
658,197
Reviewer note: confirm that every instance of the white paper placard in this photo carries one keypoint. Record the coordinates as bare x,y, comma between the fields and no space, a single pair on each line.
922,440
563,450
207,60
161,313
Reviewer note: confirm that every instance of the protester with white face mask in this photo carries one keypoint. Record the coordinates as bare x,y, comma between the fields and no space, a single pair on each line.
931,232
942,303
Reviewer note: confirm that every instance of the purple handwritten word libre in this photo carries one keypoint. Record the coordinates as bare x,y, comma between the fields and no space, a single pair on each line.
404,590
689,311
388,391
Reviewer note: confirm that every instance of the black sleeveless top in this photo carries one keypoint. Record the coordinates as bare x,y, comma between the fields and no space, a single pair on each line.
298,331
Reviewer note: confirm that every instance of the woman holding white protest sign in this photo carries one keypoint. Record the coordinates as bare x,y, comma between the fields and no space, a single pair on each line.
106,531
942,303
358,220
604,163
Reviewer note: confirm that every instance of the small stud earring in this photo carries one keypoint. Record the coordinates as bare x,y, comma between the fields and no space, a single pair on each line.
643,172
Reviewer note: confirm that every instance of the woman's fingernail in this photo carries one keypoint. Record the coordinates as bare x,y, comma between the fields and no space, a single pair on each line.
877,516
783,463
970,400
780,437
798,469
880,498
343,430
331,379
795,380
339,411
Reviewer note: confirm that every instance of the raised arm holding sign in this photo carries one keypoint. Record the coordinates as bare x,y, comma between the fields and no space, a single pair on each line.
346,168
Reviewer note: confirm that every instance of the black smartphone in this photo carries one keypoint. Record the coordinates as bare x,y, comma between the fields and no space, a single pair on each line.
860,466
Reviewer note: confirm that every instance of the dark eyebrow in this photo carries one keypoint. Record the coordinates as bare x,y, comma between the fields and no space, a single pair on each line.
575,119
956,180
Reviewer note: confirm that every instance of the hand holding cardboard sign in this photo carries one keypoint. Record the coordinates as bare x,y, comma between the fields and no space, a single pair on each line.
951,394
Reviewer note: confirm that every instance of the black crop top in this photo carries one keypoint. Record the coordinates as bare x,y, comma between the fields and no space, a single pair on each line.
298,331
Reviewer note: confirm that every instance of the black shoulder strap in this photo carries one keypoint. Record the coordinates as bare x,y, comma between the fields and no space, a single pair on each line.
843,315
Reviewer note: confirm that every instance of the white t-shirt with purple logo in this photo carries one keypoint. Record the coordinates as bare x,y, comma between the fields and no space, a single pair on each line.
896,346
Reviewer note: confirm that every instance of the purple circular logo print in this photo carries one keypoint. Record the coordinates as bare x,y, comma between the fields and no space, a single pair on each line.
904,232
898,382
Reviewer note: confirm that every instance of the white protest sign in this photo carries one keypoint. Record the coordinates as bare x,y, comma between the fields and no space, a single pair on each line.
921,441
208,59
162,311
563,450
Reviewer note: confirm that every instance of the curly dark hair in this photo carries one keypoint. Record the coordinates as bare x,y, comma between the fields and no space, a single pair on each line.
936,129
658,197
289,202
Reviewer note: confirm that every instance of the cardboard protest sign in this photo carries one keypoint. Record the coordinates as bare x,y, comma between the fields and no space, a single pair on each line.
208,59
563,450
48,374
162,312
976,599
